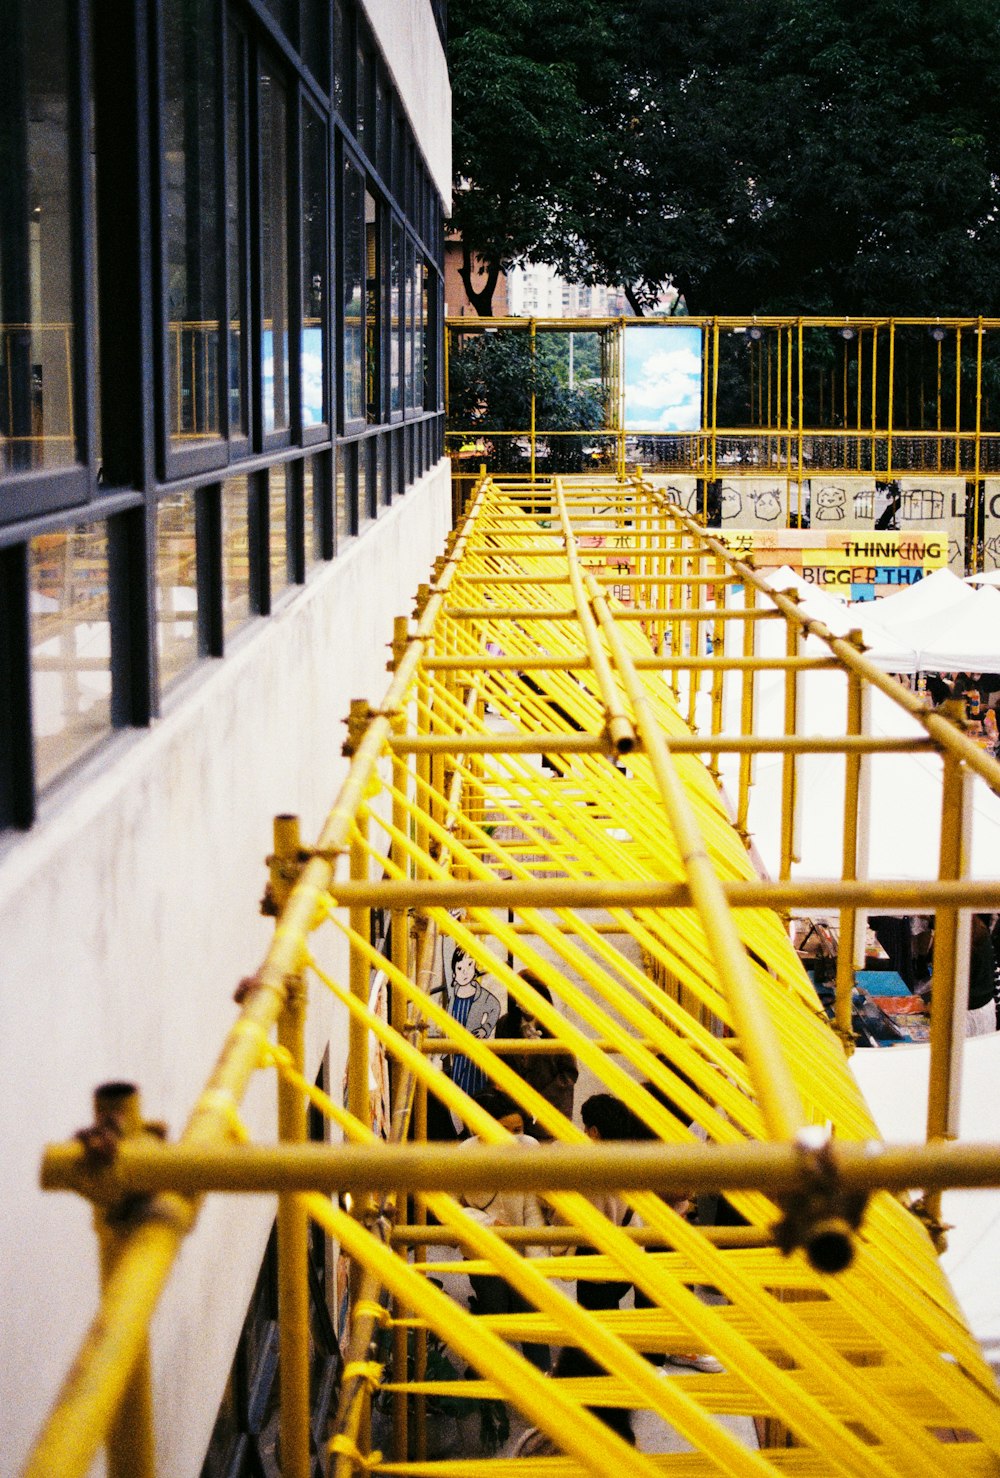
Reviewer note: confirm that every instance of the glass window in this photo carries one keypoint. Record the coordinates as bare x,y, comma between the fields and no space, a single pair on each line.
281,491
354,268
312,520
373,315
236,244
384,469
396,318
347,491
193,228
364,482
37,336
70,646
315,212
176,585
419,333
409,348
274,248
236,607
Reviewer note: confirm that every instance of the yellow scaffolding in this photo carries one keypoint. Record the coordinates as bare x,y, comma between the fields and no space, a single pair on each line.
531,791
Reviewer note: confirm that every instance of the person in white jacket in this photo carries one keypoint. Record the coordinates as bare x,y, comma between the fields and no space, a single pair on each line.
505,1208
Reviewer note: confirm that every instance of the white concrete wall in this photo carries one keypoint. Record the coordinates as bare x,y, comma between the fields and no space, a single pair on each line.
414,55
128,916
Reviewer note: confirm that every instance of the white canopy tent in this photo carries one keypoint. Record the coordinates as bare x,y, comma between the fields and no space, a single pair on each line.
967,636
935,593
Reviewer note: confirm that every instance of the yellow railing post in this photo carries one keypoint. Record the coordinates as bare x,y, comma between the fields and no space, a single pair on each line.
853,839
951,972
130,1447
747,713
789,761
293,1220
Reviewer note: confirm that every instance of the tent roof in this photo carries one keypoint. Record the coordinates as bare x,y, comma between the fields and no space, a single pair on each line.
883,647
967,637
936,592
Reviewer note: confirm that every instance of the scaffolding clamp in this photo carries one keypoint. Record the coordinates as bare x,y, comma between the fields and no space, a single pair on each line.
936,1229
822,1217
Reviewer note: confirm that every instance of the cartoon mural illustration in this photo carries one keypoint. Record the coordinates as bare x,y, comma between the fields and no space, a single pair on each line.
864,506
767,505
471,1005
732,502
922,503
831,505
956,556
992,552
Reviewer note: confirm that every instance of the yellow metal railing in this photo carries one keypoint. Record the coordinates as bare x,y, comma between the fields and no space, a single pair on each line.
792,399
614,873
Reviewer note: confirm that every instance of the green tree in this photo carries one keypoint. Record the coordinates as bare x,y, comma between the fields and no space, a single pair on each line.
491,379
763,155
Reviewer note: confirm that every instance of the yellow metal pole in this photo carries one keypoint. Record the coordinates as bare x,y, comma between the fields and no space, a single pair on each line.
892,394
773,1084
358,1048
130,1446
799,460
715,396
531,340
619,725
293,1256
789,763
980,333
747,715
293,1220
958,400
847,948
874,399
951,968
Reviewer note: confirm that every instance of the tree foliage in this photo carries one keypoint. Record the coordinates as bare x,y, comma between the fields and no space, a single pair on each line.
491,380
806,155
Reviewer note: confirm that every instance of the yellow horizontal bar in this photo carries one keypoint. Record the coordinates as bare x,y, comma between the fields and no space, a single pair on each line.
775,1168
895,895
543,742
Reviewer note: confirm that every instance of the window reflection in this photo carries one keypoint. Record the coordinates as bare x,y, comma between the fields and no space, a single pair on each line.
236,229
411,316
176,585
397,317
373,315
282,487
310,521
70,646
354,277
347,491
314,269
37,333
274,249
236,608
193,228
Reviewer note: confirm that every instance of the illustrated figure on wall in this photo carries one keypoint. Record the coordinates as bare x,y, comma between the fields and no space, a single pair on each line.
956,555
732,502
864,505
476,1008
831,505
922,503
767,505
991,551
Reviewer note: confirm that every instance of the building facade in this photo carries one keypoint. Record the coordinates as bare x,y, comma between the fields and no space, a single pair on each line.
221,477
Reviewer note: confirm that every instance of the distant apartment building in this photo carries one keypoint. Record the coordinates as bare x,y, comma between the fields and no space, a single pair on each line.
537,292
